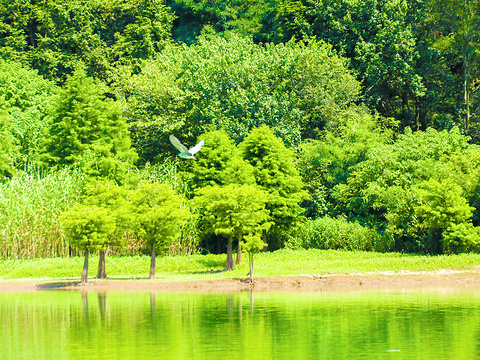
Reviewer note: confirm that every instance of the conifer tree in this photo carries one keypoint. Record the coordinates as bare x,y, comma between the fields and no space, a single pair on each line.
160,214
87,227
86,127
112,197
274,172
212,160
233,210
219,164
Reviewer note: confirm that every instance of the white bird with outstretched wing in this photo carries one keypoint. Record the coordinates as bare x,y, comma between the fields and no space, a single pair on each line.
184,152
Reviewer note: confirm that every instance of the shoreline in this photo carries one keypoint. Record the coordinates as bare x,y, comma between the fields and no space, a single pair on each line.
447,280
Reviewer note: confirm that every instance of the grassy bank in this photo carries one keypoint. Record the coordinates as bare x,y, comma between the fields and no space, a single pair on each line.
203,267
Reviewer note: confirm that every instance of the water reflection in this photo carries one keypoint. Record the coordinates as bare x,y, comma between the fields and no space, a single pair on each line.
102,304
152,325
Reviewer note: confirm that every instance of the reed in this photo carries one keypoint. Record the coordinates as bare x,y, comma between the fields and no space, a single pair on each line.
30,205
165,173
29,208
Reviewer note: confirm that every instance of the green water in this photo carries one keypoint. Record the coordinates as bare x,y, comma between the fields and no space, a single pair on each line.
141,325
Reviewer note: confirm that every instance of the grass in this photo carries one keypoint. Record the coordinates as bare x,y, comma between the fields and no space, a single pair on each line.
208,267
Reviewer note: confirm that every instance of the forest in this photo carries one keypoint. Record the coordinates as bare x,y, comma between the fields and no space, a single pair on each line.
329,124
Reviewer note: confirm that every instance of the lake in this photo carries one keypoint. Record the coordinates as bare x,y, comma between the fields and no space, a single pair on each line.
376,324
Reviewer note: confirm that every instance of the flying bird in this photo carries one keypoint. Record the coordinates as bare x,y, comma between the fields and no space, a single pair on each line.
184,152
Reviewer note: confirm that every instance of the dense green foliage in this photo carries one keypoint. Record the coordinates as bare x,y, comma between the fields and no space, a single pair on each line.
331,233
159,213
234,84
25,98
87,128
56,36
87,226
348,124
233,211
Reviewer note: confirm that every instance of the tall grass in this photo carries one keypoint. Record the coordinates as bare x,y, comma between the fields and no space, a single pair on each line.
30,205
29,208
165,173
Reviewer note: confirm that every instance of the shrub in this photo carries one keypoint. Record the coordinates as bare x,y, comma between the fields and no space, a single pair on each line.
337,233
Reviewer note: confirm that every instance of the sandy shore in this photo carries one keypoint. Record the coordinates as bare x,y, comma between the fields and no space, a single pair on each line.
444,279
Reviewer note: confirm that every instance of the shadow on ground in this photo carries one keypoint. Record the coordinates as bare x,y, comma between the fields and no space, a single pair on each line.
211,271
57,285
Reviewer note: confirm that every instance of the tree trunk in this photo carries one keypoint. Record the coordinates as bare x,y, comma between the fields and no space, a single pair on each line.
101,274
466,88
239,250
85,269
152,262
404,106
251,269
417,114
219,244
407,96
229,265
264,238
31,34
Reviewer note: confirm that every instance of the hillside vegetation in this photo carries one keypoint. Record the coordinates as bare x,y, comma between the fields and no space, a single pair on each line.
348,124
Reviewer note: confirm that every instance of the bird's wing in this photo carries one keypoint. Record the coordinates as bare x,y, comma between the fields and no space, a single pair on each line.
196,148
175,142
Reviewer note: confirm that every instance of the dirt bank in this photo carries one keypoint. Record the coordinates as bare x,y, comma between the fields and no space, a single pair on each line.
445,279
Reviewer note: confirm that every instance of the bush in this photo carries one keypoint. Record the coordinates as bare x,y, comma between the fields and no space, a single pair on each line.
336,233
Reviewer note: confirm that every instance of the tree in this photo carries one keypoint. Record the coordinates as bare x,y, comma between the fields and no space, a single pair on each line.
236,85
87,227
160,212
379,37
8,147
252,245
331,160
459,23
26,97
275,173
86,127
233,210
56,36
108,195
212,161
219,163
381,192
444,211
14,23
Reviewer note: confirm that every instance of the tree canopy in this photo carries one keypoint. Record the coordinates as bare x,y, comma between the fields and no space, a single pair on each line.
159,212
85,124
